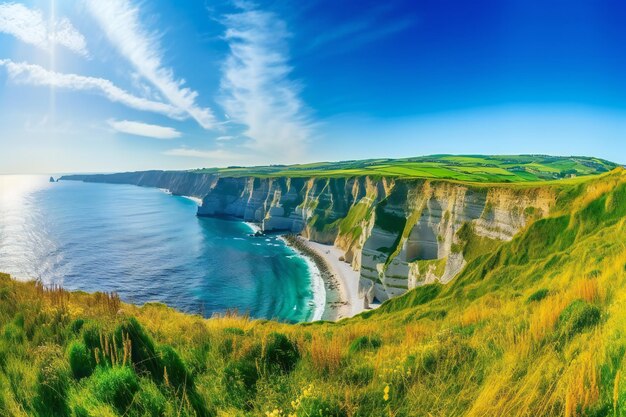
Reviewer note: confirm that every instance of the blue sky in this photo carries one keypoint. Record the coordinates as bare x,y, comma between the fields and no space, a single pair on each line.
100,86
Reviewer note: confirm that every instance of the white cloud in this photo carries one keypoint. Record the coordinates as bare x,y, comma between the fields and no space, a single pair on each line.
29,26
144,129
257,91
217,154
36,75
120,21
224,138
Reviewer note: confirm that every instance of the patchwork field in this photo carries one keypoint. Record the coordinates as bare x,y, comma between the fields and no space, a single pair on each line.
472,168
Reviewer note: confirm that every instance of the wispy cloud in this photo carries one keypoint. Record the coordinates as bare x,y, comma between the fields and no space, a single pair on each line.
30,74
256,89
121,23
215,154
363,29
225,138
29,26
144,129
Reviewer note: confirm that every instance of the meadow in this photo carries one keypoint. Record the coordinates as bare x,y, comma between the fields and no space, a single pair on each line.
531,327
468,168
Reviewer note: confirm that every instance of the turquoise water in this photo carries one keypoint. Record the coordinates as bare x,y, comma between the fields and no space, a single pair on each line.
147,245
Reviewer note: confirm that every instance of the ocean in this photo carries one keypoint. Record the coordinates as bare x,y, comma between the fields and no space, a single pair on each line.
148,245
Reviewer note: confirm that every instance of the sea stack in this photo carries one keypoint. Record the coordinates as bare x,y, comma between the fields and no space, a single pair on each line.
52,179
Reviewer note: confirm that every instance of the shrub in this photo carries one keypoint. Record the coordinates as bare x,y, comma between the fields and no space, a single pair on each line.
448,356
314,407
239,379
149,401
77,325
143,354
360,375
5,349
91,335
538,295
52,385
365,343
234,331
430,357
226,346
177,374
82,363
18,320
115,386
434,314
83,404
280,354
14,334
577,317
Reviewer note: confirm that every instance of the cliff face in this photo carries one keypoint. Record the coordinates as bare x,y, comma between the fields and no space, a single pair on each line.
177,182
397,233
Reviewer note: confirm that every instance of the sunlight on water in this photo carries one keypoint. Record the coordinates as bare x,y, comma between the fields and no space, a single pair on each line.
26,249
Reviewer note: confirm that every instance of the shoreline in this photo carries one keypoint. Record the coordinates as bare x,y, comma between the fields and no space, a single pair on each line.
340,281
318,283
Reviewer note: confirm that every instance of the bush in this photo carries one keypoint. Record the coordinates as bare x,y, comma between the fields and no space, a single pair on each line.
52,385
77,325
83,404
5,350
149,401
360,375
577,317
315,407
143,354
365,343
538,295
234,331
177,374
239,379
281,354
115,386
82,363
226,346
18,320
434,314
447,356
91,335
14,334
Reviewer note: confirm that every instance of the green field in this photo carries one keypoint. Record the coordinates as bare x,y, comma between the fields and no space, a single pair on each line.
472,168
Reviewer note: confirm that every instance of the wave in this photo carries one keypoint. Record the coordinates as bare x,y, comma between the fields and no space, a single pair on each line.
317,284
196,200
253,226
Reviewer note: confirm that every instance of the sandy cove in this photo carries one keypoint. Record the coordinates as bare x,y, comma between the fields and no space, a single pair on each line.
340,280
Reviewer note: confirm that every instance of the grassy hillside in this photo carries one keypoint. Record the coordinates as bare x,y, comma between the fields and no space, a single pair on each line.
476,168
534,326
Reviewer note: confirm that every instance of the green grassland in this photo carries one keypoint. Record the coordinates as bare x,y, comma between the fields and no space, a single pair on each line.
473,168
531,327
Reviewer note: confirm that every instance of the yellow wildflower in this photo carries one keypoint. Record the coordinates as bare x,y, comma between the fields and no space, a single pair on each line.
386,391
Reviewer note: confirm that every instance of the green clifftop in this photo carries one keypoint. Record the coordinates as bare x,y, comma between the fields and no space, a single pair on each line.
475,168
531,325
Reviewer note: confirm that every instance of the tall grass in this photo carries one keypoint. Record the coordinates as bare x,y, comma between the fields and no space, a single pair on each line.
534,327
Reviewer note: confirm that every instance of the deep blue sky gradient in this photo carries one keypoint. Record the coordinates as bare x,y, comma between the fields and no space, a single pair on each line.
376,79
